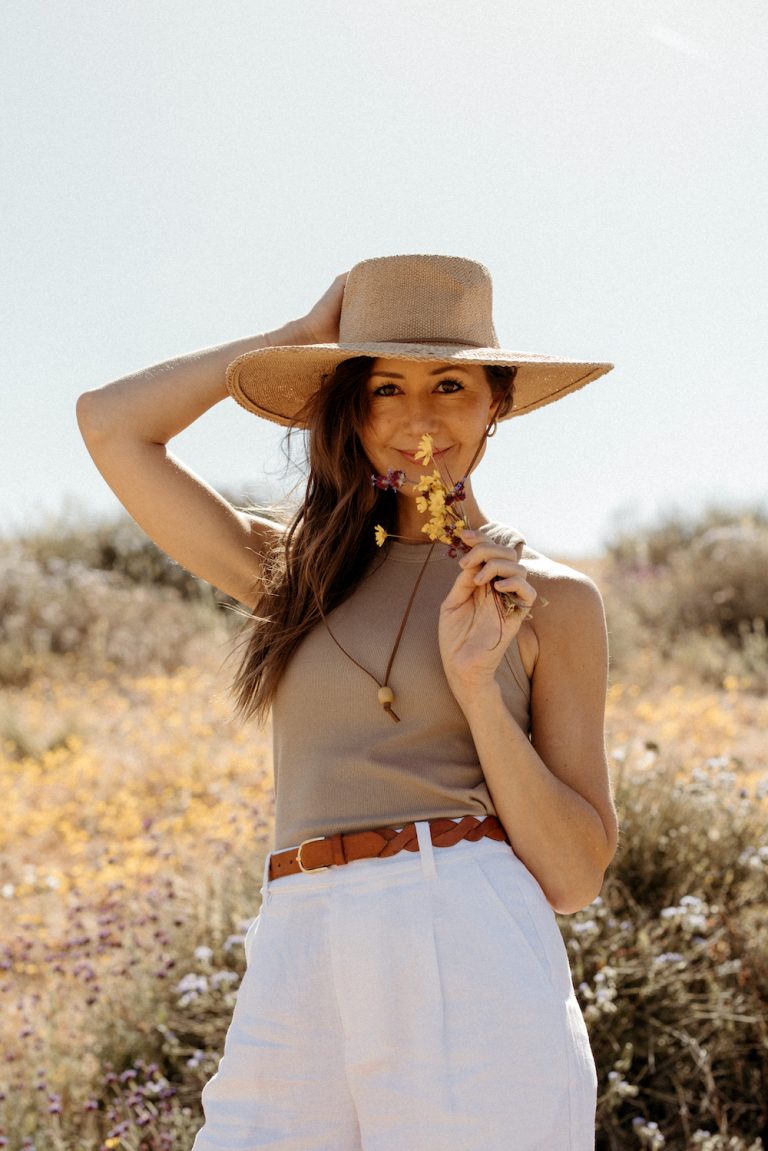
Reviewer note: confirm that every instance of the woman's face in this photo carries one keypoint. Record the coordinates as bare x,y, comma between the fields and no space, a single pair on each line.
410,398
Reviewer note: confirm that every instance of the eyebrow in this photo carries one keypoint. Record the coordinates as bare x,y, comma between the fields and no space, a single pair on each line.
434,372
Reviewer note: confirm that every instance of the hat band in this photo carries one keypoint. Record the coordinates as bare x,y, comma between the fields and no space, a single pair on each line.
440,342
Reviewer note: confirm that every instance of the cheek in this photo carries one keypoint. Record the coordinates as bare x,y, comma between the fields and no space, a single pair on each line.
374,431
476,420
370,442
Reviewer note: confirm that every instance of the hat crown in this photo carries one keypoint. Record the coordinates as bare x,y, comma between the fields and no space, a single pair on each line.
419,300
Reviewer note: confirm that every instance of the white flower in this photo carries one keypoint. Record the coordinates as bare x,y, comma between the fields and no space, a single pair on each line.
648,1134
190,987
220,977
669,957
716,762
621,1087
691,913
586,925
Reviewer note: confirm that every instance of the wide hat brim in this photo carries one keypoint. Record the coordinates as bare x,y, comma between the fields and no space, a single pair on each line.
275,383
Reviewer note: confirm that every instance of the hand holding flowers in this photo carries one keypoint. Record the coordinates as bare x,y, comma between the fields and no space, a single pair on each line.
474,633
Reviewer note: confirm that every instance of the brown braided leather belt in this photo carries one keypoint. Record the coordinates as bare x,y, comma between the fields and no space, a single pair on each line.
334,850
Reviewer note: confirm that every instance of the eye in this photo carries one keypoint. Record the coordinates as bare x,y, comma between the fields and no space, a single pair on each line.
385,390
449,386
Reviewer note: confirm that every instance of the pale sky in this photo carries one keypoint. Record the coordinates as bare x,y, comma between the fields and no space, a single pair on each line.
180,173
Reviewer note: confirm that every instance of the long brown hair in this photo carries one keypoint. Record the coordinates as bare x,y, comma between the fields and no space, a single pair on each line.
326,549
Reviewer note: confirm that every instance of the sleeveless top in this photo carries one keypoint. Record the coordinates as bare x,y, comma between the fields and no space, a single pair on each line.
340,762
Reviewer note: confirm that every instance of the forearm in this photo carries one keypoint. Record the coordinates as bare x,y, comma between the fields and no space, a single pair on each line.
158,402
558,835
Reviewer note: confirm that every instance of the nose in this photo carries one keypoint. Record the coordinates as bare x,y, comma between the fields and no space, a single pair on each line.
419,416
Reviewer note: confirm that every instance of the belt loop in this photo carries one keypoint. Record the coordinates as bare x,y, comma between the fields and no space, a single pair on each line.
424,836
266,894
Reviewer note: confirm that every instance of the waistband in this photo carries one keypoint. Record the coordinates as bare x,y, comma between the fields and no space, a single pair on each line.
322,852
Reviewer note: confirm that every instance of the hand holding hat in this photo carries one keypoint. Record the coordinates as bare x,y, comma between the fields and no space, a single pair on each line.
321,323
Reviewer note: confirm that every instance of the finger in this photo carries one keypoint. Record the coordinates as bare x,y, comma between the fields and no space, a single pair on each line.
474,561
514,583
498,569
519,589
464,589
484,554
473,539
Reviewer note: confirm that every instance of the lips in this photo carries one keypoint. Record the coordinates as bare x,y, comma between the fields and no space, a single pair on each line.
412,455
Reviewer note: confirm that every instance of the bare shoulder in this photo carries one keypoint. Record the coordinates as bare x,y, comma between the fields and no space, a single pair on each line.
568,599
556,577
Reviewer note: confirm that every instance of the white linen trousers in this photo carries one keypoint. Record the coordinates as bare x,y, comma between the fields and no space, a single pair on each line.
417,1002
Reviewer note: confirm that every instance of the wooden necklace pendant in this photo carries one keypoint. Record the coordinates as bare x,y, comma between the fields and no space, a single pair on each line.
386,695
386,699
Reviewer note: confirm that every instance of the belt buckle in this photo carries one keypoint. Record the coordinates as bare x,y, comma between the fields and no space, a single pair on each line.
316,839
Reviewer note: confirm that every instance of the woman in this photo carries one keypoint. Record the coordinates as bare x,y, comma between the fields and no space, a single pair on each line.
440,772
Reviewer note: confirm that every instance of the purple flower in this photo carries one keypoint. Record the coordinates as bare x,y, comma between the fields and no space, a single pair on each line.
392,481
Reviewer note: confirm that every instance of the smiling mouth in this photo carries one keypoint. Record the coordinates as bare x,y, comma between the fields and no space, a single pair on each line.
436,453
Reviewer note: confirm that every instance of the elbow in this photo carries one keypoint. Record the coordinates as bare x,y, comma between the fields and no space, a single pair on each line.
96,417
574,900
579,892
88,414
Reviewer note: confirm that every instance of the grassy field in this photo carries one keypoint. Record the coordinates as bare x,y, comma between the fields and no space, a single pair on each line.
138,812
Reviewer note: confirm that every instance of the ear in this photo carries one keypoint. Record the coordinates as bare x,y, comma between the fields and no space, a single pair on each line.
495,413
500,407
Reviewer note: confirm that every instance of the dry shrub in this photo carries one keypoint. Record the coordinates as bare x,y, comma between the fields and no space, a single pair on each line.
107,596
671,964
696,590
113,545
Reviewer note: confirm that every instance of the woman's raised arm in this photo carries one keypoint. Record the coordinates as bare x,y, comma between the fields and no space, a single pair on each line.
128,424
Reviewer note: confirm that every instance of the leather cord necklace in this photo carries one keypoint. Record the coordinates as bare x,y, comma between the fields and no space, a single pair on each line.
386,694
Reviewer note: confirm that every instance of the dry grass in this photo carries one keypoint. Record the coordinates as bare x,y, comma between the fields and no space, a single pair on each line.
130,847
137,815
131,863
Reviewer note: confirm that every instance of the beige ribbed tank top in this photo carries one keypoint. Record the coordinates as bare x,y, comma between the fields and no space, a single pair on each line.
340,762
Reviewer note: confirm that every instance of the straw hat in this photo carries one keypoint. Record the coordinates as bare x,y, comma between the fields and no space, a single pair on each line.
408,308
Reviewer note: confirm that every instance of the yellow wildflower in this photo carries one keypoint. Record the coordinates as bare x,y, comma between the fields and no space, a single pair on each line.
429,483
380,535
425,449
435,530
